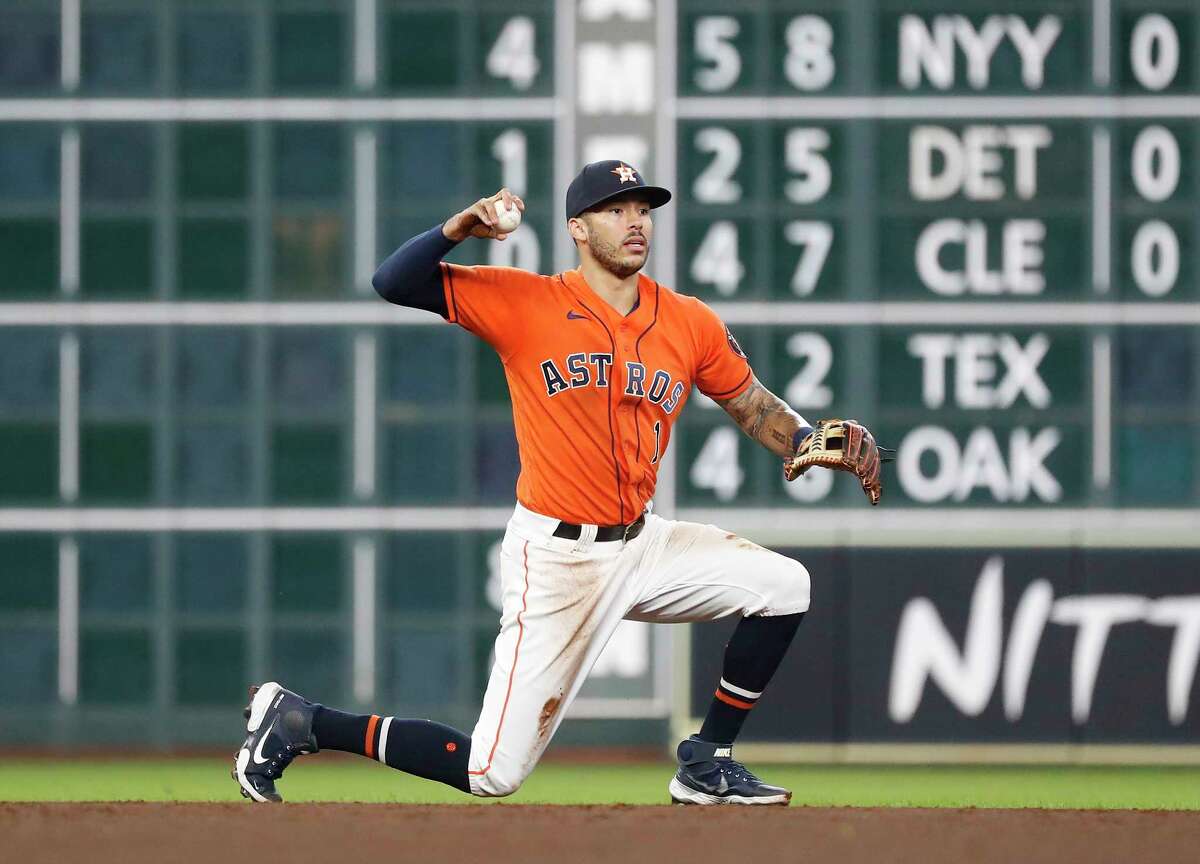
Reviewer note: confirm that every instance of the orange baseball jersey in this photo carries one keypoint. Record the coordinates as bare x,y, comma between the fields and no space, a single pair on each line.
594,394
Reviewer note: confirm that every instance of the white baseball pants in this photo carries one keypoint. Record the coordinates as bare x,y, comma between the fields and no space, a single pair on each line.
562,600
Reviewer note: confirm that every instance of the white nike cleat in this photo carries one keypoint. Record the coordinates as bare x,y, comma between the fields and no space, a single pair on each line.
280,727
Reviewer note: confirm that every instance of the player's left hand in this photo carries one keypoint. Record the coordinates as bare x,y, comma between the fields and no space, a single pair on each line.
843,445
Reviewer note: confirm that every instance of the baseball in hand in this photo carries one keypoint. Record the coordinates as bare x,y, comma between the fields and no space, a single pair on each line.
508,217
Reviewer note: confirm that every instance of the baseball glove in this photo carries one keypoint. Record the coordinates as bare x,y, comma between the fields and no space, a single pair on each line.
843,445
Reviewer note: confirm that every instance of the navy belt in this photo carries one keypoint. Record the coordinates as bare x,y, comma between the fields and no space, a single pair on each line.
605,533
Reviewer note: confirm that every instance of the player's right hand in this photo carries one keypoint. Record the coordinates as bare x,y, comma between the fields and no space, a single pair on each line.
480,219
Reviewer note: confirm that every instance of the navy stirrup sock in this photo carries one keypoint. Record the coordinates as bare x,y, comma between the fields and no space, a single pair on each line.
752,655
419,747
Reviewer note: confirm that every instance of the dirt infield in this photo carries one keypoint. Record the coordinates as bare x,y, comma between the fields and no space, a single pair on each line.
130,833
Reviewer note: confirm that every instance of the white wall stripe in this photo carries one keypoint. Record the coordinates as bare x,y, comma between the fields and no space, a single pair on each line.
662,266
565,57
381,752
152,314
68,417
1032,526
308,110
365,208
1101,42
153,520
68,621
1101,210
70,34
364,44
666,225
752,312
1043,527
1102,412
981,314
948,107
749,694
365,386
542,108
68,213
363,647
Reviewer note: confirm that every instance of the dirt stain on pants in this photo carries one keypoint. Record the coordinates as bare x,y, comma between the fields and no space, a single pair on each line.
547,715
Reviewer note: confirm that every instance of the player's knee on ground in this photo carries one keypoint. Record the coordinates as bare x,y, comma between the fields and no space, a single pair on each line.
785,587
498,782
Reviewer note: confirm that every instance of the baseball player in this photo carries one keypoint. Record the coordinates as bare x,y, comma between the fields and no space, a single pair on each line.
600,361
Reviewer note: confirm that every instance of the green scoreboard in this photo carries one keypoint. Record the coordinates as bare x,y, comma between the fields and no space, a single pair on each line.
972,222
971,225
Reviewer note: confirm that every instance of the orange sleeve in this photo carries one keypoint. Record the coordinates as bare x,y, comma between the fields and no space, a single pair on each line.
722,369
489,301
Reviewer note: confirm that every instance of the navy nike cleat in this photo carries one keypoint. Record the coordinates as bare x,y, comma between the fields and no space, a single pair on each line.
708,774
280,727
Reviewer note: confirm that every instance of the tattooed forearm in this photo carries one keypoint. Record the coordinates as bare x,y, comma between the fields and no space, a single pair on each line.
766,418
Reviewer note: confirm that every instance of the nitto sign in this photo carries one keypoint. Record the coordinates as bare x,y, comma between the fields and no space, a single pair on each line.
968,673
1051,645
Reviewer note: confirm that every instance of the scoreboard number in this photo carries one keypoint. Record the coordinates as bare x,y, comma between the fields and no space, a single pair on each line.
713,44
716,261
804,156
815,240
716,466
812,486
809,64
513,55
807,389
1155,163
511,150
1154,258
1154,51
715,184
1155,166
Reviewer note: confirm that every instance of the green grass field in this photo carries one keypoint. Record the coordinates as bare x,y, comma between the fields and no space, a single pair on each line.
342,779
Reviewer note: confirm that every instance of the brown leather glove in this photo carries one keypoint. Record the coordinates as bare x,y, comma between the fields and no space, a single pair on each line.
843,445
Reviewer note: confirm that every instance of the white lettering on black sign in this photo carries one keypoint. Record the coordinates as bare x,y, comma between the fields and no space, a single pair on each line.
925,650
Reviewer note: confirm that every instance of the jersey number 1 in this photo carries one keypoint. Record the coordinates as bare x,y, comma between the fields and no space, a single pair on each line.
657,441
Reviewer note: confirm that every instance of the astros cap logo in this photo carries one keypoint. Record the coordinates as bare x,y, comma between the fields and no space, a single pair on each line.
595,184
626,173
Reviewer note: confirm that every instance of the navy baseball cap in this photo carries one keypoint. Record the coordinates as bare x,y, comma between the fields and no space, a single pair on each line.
599,181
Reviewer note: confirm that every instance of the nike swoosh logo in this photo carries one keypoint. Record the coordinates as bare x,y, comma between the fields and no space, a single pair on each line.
259,759
574,316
